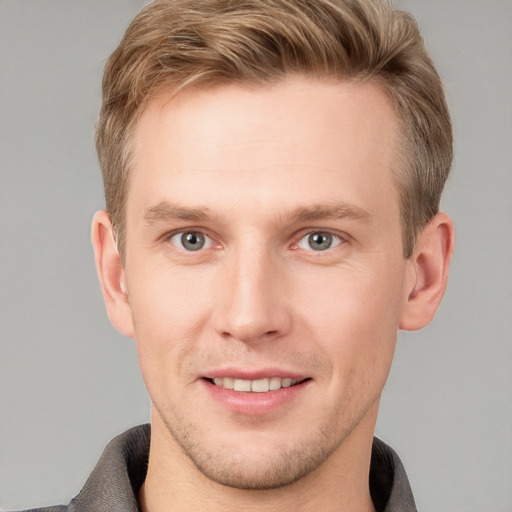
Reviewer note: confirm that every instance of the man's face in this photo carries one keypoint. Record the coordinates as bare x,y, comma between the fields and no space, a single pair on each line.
264,250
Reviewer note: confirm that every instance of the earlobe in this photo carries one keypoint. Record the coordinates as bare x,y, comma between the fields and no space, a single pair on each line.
427,273
111,273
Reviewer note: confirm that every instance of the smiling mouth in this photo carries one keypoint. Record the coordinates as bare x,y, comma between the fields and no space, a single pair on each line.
255,386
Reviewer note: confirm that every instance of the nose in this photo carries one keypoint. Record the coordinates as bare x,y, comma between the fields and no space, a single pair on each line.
251,299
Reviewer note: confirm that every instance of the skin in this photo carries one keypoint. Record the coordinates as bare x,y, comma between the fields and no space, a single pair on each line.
256,171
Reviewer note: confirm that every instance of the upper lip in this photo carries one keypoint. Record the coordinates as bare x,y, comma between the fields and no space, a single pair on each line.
254,374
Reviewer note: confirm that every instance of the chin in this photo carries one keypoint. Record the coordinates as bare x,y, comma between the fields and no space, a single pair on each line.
258,462
268,471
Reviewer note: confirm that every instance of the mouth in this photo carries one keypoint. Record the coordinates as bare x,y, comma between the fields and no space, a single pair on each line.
255,386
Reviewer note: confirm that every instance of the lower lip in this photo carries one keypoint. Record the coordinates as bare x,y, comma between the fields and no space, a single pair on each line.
255,403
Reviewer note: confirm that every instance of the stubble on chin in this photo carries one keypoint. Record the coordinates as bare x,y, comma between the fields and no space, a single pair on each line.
254,468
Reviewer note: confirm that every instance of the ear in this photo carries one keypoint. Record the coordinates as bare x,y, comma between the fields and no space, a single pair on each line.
111,273
427,273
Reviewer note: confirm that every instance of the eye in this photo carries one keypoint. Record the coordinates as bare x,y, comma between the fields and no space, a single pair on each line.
191,241
319,241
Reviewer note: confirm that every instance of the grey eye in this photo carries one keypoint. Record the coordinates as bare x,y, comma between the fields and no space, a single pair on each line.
319,241
191,240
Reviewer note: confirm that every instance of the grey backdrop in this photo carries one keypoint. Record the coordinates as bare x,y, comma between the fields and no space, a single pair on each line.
69,382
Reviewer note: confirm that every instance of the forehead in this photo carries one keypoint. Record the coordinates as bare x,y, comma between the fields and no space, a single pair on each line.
298,139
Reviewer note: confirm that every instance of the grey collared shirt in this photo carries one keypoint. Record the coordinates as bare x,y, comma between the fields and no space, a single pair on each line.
114,484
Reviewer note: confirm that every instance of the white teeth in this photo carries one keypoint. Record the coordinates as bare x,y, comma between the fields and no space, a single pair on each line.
286,383
256,386
260,386
242,385
275,383
228,383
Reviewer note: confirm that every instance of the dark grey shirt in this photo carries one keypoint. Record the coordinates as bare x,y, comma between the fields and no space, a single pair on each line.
114,484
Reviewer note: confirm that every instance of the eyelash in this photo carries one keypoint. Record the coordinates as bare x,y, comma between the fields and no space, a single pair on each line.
177,239
190,233
332,238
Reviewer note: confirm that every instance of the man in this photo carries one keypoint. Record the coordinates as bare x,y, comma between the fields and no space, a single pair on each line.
272,173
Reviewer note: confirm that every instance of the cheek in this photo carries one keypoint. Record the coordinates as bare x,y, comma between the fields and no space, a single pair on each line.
163,295
170,311
354,316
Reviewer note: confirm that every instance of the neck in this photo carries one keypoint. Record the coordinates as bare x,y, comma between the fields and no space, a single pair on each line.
340,483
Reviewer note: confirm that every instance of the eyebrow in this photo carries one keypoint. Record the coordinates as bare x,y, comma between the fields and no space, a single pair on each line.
332,211
165,211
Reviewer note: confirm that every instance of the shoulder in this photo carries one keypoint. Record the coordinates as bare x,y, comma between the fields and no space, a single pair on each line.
114,482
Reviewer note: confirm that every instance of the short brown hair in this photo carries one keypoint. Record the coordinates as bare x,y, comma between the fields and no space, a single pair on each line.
176,43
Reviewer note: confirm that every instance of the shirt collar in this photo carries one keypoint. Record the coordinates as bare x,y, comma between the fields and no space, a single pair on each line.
115,482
